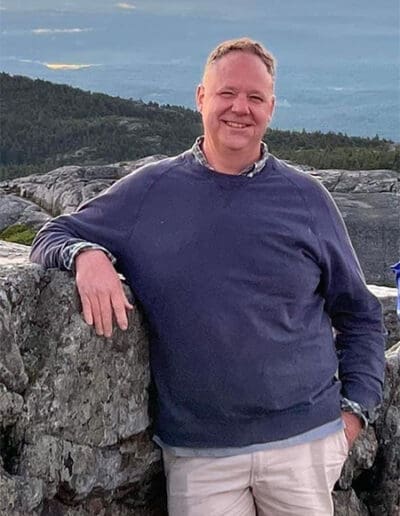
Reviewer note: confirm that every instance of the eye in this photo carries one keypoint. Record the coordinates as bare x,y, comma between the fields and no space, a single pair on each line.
256,98
226,94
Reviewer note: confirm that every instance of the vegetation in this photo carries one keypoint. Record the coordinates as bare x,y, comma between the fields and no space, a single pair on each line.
18,233
333,150
45,125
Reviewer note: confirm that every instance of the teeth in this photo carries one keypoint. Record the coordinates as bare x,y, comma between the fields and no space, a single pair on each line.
236,125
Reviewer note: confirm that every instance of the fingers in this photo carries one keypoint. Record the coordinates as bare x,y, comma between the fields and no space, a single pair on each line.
87,310
353,427
98,311
105,316
120,305
126,301
120,313
101,292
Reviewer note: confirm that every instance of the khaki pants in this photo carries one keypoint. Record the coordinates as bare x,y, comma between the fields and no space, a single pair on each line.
292,481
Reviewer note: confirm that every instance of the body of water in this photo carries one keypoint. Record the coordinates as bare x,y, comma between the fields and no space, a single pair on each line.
338,63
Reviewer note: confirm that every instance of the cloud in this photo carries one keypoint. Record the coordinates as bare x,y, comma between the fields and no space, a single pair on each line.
123,5
29,61
64,66
339,88
59,66
283,103
60,31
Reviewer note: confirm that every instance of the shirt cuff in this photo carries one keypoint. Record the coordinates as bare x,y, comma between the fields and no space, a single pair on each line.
71,252
367,416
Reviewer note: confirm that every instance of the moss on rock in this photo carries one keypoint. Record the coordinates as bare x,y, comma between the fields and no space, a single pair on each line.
18,233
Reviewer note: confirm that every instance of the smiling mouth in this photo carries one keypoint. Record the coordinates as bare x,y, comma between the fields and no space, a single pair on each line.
235,125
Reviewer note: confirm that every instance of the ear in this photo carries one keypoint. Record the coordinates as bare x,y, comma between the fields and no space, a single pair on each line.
272,108
199,97
273,105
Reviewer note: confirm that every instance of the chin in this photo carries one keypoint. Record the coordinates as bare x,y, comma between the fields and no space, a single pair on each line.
238,144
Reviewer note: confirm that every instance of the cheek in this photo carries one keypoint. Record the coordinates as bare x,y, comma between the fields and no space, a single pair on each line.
264,117
212,115
213,111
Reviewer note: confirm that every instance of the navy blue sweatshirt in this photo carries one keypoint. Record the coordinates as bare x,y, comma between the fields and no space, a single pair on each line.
241,280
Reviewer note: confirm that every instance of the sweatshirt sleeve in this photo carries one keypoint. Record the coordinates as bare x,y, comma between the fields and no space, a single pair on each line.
356,314
107,220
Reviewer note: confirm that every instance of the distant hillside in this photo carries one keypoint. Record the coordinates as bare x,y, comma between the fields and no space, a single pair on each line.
46,125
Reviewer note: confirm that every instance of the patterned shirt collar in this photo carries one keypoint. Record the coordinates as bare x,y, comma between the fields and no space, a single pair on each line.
249,171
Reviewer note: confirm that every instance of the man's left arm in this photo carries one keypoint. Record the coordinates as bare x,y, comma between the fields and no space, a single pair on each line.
356,315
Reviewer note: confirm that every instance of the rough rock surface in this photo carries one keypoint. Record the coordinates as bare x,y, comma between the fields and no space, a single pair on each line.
73,406
62,190
15,210
74,426
11,254
383,483
369,201
370,480
388,298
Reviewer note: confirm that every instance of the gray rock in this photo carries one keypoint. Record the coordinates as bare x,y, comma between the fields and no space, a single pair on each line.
18,496
74,421
388,298
62,190
359,181
11,406
383,493
12,254
372,471
15,210
361,458
348,504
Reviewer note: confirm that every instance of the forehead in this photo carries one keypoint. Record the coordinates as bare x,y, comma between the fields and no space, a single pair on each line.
238,67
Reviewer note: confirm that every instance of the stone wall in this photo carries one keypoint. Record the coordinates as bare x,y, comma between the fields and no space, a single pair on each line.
74,423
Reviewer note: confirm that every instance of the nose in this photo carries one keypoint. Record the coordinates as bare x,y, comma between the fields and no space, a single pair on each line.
240,105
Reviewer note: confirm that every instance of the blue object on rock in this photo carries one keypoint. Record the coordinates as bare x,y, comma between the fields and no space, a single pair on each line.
396,269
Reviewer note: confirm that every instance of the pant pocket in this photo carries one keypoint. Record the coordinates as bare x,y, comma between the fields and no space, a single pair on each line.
345,443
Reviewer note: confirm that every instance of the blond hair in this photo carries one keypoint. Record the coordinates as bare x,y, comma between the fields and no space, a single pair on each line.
242,45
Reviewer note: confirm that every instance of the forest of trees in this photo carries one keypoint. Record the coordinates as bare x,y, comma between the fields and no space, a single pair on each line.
46,125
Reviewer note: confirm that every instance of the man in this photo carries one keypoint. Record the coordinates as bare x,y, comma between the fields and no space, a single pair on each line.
242,265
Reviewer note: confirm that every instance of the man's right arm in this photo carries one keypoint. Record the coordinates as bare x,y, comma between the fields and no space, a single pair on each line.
87,242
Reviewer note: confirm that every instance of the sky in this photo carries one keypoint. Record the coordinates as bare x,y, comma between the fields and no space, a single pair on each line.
227,9
172,7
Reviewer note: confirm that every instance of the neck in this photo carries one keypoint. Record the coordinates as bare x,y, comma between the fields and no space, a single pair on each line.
230,161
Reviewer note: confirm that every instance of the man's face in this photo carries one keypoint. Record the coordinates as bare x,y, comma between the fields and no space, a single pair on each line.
236,101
